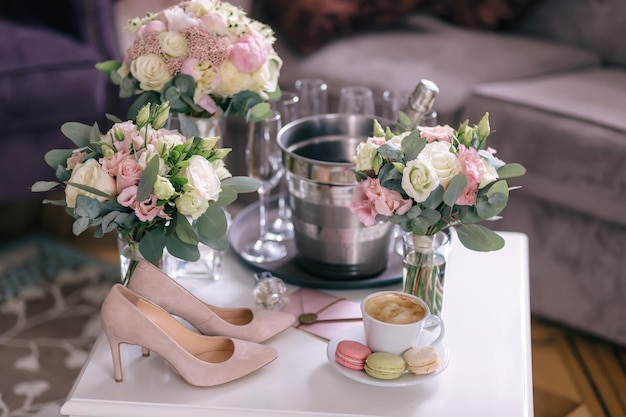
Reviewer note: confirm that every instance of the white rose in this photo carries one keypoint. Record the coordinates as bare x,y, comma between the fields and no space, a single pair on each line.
202,177
220,169
444,162
146,155
93,175
397,140
165,143
232,81
173,43
489,174
192,203
163,188
419,179
365,154
266,77
151,71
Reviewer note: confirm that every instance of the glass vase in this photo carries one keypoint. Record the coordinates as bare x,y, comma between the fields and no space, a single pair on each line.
129,257
424,267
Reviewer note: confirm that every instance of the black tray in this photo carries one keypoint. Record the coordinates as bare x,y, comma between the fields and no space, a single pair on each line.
244,231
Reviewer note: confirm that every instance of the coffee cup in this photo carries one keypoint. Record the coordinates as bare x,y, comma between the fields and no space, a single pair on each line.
393,321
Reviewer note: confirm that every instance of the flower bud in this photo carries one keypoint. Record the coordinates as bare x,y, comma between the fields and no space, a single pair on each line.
206,144
483,127
221,153
162,114
118,135
143,116
107,151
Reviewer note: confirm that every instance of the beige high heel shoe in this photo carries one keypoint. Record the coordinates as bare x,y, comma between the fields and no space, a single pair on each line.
241,323
200,360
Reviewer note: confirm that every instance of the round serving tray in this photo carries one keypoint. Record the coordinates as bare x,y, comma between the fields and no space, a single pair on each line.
245,229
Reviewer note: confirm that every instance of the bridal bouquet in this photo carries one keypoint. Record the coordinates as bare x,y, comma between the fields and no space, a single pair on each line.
432,178
153,186
200,56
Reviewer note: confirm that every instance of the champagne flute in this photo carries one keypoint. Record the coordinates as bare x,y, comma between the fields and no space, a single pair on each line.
281,228
313,96
356,99
264,163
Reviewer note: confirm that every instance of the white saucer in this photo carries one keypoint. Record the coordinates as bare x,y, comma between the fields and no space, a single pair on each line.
356,333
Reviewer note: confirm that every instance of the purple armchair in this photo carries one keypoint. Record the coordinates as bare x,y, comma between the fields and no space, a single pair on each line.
48,51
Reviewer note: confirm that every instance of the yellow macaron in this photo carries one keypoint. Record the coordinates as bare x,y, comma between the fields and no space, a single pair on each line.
383,365
421,360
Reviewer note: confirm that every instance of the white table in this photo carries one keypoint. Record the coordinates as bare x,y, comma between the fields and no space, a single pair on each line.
487,319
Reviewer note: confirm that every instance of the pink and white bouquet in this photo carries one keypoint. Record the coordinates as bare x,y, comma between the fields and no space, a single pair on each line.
153,186
200,56
432,178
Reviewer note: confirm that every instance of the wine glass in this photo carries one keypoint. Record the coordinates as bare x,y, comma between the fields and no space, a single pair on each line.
264,163
356,99
281,228
313,96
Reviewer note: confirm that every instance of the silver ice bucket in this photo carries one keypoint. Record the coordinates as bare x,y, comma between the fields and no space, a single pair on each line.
318,154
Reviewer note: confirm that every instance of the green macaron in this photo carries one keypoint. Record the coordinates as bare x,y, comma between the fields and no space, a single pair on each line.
384,365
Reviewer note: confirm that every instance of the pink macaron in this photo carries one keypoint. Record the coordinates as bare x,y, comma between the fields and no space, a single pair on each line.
352,354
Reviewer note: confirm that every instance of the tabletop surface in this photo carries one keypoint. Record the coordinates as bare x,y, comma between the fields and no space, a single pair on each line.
487,318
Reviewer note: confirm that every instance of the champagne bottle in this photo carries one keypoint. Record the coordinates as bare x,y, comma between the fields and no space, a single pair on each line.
421,102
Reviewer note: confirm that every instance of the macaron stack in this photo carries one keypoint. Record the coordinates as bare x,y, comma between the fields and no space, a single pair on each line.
418,360
421,360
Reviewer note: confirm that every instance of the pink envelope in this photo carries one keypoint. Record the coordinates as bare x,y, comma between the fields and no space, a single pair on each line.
321,313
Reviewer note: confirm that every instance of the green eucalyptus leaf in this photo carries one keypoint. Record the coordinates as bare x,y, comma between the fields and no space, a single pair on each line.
148,178
77,132
227,197
80,225
220,244
187,126
60,203
511,171
412,145
213,223
479,238
57,157
455,189
260,111
43,186
185,231
107,67
242,184
390,151
89,190
141,100
182,250
435,198
87,207
113,118
127,85
152,244
494,201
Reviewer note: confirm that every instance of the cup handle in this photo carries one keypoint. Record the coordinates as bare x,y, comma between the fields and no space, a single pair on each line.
442,329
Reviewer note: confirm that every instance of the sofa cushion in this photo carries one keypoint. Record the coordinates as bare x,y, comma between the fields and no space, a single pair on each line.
599,26
428,48
40,69
569,131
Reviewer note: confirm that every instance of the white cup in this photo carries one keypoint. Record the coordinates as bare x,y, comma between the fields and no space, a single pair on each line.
394,320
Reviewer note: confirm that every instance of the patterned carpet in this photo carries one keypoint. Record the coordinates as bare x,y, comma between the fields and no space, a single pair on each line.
50,296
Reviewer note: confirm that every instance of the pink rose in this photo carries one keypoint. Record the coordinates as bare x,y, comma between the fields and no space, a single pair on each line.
247,55
189,68
440,133
214,23
148,209
124,137
110,165
75,159
128,173
207,103
128,196
178,21
154,26
472,167
370,199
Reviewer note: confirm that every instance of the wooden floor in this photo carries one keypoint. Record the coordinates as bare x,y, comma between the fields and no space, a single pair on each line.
574,375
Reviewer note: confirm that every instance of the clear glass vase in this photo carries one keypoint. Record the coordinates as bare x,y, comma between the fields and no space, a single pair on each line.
129,257
424,267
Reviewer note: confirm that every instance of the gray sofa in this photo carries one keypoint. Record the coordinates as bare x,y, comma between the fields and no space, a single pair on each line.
554,84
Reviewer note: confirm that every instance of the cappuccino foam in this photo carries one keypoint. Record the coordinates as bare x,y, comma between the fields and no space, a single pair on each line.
395,308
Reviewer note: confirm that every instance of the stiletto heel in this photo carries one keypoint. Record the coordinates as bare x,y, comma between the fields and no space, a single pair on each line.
200,360
145,352
241,323
114,343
